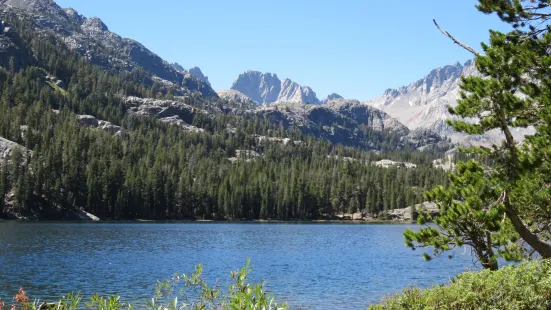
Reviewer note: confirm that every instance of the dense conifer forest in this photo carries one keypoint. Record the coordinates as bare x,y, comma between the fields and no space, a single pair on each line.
153,170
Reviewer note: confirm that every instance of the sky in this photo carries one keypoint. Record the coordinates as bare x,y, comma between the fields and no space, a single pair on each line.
356,48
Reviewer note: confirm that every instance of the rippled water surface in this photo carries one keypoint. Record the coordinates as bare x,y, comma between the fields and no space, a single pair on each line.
312,266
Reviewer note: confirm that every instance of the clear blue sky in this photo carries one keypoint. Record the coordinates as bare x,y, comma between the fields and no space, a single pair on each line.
357,48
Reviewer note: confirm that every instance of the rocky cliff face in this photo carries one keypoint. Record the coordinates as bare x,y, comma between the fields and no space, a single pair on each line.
12,47
196,72
91,38
267,88
423,104
331,97
235,96
340,121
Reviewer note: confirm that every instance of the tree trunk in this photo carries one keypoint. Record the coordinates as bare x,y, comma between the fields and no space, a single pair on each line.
543,248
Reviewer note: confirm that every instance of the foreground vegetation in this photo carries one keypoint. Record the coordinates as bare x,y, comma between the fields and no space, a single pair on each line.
498,203
182,292
526,286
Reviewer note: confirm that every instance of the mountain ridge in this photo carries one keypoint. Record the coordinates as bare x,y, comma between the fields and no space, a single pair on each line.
267,88
91,38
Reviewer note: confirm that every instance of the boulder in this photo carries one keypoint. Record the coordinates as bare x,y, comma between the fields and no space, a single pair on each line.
7,147
406,216
88,120
85,216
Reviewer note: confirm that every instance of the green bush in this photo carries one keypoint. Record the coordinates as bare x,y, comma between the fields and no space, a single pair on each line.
526,286
182,292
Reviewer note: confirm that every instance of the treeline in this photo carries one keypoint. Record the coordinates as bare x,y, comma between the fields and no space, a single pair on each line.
157,171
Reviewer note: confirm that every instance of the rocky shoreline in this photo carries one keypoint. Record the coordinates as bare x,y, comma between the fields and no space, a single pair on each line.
397,216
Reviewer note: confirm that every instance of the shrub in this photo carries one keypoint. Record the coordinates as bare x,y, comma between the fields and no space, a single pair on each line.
182,292
526,286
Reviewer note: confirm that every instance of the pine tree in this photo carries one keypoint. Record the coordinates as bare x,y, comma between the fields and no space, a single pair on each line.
507,193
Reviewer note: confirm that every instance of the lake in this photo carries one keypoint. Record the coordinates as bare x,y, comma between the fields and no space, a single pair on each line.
312,266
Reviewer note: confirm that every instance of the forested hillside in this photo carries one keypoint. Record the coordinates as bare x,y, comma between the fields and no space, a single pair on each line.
235,163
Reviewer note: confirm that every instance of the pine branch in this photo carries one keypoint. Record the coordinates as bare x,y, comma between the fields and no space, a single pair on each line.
463,45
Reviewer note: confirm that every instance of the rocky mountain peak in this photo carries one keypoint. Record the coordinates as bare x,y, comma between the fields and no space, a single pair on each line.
46,10
438,77
267,88
331,97
90,37
31,5
262,88
74,15
94,24
196,72
424,103
178,67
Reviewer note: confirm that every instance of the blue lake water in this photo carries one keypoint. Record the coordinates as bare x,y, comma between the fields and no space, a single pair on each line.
311,266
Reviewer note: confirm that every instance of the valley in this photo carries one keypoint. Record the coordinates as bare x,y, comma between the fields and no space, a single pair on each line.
119,167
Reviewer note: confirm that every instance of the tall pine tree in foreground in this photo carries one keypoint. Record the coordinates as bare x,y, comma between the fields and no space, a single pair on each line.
501,205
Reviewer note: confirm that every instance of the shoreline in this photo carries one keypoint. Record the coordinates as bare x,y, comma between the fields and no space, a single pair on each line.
191,221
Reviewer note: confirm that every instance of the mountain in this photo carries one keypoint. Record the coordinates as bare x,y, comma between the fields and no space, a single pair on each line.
195,71
346,122
423,104
330,97
91,38
93,122
234,95
267,88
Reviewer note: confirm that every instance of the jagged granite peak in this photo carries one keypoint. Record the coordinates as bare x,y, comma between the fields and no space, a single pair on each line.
196,72
178,67
32,5
75,16
294,93
262,88
94,24
48,14
91,38
424,103
267,88
331,97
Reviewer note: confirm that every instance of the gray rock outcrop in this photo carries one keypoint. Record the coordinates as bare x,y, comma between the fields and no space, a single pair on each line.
88,121
406,216
93,122
7,148
267,88
331,97
339,121
92,39
423,105
168,111
235,96
196,72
